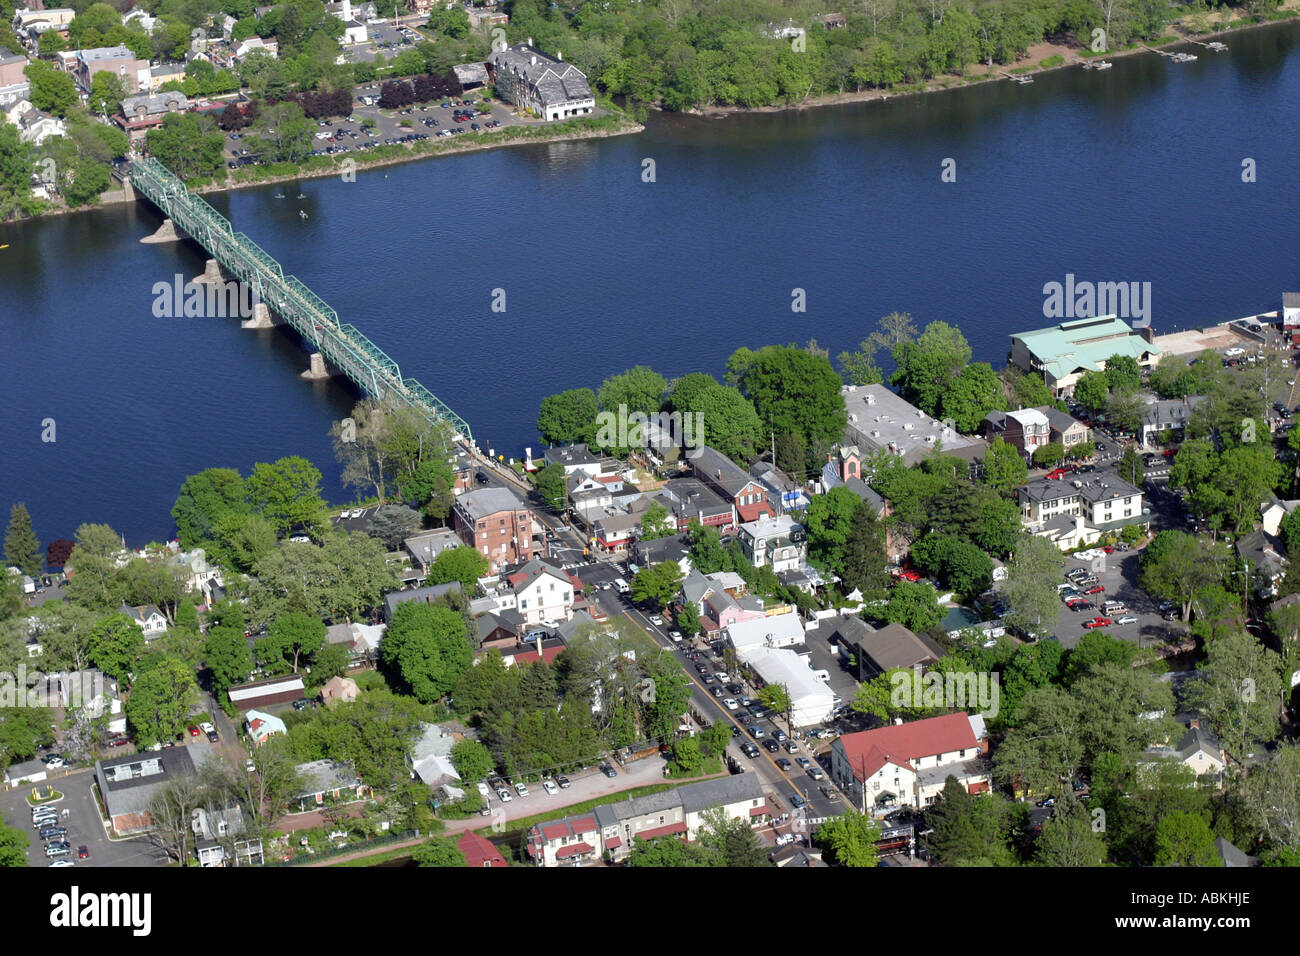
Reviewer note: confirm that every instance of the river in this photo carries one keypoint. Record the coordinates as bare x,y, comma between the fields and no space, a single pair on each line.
1134,174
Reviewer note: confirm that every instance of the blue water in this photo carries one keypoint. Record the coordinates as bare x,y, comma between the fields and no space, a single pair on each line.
1133,174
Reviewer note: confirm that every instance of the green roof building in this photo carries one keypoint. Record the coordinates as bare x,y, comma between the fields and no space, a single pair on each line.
1062,353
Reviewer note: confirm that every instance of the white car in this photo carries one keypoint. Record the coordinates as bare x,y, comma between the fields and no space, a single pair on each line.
207,728
1126,620
656,620
549,786
731,704
521,788
63,863
676,636
54,763
300,539
504,795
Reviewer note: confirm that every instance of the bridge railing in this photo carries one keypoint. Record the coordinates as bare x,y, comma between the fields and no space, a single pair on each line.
344,345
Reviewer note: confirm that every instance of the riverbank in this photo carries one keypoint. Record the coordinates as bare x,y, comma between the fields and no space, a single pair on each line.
1060,56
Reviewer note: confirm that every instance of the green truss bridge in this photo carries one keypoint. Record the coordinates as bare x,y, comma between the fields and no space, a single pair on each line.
342,346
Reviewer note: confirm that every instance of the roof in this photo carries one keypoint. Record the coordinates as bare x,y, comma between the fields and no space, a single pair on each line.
1265,551
570,455
427,595
321,776
879,418
433,741
488,501
470,73
1059,420
554,80
1172,413
262,724
479,851
129,783
1083,344
895,646
719,470
426,547
1029,417
266,688
1231,856
659,550
688,498
1198,739
783,629
153,104
534,569
869,750
782,666
7,56
1098,487
105,53
1291,300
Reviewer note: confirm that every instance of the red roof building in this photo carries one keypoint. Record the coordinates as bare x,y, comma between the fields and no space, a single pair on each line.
479,851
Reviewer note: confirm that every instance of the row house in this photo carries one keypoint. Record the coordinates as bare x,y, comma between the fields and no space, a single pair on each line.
776,542
543,592
740,489
498,525
1026,428
689,499
1064,429
610,831
907,764
1167,416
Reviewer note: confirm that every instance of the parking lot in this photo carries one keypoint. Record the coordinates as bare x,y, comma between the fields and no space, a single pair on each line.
83,824
1118,574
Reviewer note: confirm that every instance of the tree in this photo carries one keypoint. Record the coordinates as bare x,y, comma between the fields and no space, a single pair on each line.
106,93
1094,649
708,556
427,648
226,653
731,841
849,839
1046,456
204,501
687,756
1091,390
65,634
22,549
439,851
283,133
669,851
913,604
1185,839
189,144
291,637
715,738
864,559
795,391
639,389
161,700
970,396
725,417
568,417
393,524
52,90
472,760
1239,691
1068,838
928,365
1176,565
776,697
829,520
551,483
1271,796
116,645
344,577
1123,373
93,581
656,523
1030,587
287,493
58,552
13,846
657,584
463,564
969,829
1004,466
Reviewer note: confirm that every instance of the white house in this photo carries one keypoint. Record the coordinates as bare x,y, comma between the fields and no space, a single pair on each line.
811,700
543,592
148,618
779,630
776,542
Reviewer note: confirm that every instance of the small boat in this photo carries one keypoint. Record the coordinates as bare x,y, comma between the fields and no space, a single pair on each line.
1102,65
302,214
5,246
1217,47
279,195
302,195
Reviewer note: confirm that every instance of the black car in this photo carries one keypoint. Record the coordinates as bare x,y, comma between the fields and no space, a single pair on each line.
563,781
735,731
749,749
771,746
784,764
717,692
608,771
212,736
48,833
735,689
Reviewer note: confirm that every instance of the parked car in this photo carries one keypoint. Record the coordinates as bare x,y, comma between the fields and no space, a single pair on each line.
816,773
784,764
549,786
504,795
1127,619
53,761
771,746
1098,622
521,788
803,762
1095,589
790,747
50,832
56,849
608,770
730,703
563,781
1048,802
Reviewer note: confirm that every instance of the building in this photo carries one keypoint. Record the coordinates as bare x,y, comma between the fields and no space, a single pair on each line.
328,780
28,771
779,630
252,45
148,618
36,22
531,80
12,67
1266,554
907,764
266,693
1273,511
689,499
498,524
1057,508
782,490
1062,353
881,649
339,690
147,111
1026,428
164,73
609,831
646,553
431,757
262,726
544,592
424,548
117,60
91,691
1167,416
426,595
574,458
219,838
811,699
1290,310
472,76
479,851
737,487
881,420
1198,750
361,640
776,542
127,785
1065,429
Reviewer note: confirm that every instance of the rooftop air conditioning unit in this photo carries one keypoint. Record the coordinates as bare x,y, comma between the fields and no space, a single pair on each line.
871,399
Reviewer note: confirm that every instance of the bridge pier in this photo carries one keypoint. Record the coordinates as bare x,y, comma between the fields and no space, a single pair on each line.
167,232
317,371
262,318
211,273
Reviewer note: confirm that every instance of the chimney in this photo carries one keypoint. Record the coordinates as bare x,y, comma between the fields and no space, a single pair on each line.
1194,723
559,55
530,41
532,60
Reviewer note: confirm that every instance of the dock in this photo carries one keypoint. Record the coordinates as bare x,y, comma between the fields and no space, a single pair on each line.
1020,78
1176,57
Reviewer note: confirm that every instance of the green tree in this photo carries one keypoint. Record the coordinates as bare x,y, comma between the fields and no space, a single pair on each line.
829,520
1068,838
1185,839
472,760
927,366
913,604
686,755
1091,390
1123,373
287,493
93,581
439,851
116,645
292,637
970,396
639,389
161,700
864,560
1239,691
1049,455
656,523
1176,565
426,647
204,500
568,417
1094,649
795,392
22,549
725,417
52,90
708,556
969,829
229,660
106,93
283,133
1030,587
1004,466
657,584
345,577
551,483
668,851
849,839
13,844
393,524
463,564
189,144
731,841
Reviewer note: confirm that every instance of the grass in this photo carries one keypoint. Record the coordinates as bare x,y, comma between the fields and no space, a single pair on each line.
385,857
526,822
56,795
1051,61
1023,69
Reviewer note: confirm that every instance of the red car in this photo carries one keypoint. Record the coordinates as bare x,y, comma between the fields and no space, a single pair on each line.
83,852
910,575
1168,453
1108,549
194,732
1098,622
1058,473
1096,589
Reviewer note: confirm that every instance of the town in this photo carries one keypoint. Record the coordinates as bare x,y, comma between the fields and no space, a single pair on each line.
1043,614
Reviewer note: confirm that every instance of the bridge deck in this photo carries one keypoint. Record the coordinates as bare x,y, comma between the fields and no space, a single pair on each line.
343,346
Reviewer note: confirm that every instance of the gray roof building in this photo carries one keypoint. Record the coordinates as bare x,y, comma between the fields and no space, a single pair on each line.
128,784
488,501
878,418
427,595
425,548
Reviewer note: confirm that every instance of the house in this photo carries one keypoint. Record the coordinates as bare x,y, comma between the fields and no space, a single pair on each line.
648,553
689,499
797,856
36,22
961,620
148,618
424,548
361,640
779,630
478,851
431,757
1060,354
498,524
834,21
34,126
499,628
1272,512
212,827
339,690
1198,750
118,60
610,829
844,467
12,67
146,111
94,693
697,588
1065,429
881,649
425,595
266,693
613,531
783,490
776,542
544,592
1167,416
164,73
28,771
262,726
1266,554
547,649
1103,500
881,420
252,45
907,764
577,457
328,780
1026,428
811,699
128,784
531,80
738,488
721,610
1290,310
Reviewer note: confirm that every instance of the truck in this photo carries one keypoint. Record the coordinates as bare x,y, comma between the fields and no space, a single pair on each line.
621,586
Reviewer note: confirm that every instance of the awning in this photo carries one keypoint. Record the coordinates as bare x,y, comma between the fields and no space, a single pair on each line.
669,830
613,843
760,811
577,849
